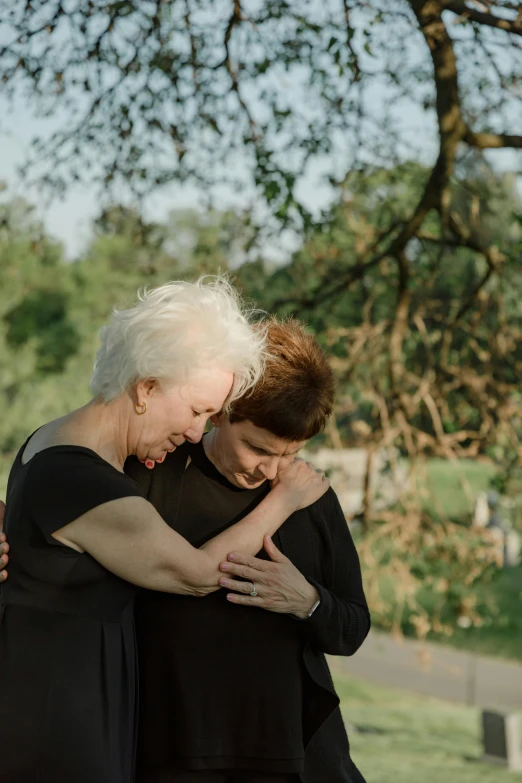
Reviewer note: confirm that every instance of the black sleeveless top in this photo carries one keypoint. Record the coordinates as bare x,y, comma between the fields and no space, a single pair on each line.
221,685
67,643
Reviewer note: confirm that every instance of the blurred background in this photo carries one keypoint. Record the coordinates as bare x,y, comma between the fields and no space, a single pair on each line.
356,165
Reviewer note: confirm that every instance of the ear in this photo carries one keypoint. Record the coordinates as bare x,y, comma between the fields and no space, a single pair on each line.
145,388
217,419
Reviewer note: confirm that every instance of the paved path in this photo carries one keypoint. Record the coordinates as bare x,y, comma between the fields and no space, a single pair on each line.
436,671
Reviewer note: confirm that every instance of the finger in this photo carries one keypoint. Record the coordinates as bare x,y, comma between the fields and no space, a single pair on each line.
235,569
272,551
2,515
4,560
4,547
245,600
2,537
240,587
249,560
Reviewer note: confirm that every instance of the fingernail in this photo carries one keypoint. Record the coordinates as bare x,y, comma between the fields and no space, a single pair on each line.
224,566
232,556
223,581
149,463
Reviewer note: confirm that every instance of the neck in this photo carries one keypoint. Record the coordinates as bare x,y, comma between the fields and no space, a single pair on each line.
104,428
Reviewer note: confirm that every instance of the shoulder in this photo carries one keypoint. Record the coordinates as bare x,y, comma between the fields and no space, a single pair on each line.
77,469
327,505
324,519
63,483
75,463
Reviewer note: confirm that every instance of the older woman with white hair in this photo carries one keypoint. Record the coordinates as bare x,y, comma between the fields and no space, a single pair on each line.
84,535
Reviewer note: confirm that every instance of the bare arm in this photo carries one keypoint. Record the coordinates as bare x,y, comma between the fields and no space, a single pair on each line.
129,537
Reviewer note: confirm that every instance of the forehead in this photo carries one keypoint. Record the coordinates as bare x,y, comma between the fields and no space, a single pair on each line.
266,440
208,389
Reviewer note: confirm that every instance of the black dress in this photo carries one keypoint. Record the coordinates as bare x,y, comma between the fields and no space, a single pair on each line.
67,643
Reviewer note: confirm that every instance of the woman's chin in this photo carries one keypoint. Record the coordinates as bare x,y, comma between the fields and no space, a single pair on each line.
249,482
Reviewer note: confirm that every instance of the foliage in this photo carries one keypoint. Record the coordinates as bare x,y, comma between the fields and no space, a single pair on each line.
428,357
499,632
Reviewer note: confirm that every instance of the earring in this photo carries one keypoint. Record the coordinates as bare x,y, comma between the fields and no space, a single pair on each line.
143,406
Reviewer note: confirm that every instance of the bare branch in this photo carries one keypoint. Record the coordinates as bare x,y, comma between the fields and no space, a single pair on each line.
485,140
460,8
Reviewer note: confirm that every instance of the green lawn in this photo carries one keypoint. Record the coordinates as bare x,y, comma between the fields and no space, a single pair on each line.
398,736
443,493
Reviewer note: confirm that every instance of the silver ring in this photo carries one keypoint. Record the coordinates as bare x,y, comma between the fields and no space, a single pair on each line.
254,591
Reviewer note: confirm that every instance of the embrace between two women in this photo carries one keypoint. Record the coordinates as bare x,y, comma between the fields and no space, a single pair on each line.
249,570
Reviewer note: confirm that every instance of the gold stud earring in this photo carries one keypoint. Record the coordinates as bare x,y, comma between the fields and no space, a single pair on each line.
140,408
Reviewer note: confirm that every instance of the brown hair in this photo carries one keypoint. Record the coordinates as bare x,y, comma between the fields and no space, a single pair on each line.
295,395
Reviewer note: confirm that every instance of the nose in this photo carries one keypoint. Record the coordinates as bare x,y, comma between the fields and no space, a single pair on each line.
269,468
195,433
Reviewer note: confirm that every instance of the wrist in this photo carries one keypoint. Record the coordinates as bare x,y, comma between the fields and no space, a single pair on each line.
285,500
310,598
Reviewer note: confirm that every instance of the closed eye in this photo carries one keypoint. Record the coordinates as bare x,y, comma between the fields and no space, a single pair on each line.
196,413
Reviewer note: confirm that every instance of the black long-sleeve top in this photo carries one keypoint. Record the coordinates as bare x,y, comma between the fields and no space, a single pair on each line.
198,653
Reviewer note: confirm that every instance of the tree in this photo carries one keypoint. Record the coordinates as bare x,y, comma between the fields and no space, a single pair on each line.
455,392
153,91
37,336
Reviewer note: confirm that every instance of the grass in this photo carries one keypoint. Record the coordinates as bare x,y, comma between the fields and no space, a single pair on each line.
444,493
395,735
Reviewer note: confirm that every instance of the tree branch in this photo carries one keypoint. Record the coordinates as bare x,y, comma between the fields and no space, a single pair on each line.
484,140
460,8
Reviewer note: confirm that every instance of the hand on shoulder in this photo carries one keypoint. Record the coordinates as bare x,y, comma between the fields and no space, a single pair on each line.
303,483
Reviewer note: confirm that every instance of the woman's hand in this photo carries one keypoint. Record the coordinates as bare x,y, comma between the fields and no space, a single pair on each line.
279,585
4,546
301,483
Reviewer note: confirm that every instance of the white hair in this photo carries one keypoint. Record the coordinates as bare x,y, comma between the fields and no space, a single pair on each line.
178,328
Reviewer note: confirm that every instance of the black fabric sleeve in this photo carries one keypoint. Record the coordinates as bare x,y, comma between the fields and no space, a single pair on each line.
341,622
64,484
